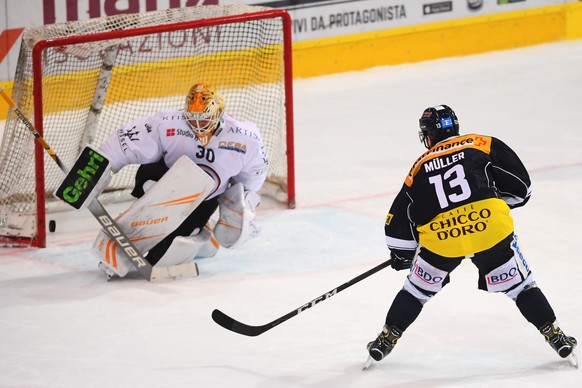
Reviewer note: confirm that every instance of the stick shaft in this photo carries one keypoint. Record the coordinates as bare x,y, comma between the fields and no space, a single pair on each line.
32,129
232,324
107,222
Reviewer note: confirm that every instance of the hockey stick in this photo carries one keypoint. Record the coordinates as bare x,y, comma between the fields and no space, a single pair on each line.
108,223
252,331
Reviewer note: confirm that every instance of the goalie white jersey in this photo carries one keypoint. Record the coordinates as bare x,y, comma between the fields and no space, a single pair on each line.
235,153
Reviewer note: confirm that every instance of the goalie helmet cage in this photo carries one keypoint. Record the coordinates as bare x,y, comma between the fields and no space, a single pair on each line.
82,80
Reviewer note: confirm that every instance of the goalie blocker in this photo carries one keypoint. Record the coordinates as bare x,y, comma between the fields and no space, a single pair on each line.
89,176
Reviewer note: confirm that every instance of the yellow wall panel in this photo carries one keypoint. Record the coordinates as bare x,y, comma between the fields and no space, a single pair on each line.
438,40
574,17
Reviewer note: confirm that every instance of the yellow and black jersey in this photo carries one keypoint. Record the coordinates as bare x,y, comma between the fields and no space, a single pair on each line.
456,198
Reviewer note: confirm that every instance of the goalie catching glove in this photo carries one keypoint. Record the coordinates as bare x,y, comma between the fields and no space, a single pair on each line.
236,224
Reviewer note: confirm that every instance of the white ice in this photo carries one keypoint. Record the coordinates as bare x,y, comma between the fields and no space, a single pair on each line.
62,325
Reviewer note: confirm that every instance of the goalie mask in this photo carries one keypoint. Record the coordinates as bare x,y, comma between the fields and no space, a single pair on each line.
203,111
436,124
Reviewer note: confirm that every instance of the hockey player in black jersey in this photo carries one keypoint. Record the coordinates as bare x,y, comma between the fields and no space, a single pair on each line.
454,205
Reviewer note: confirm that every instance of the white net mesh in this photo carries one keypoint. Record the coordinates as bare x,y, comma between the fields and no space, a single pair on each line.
99,73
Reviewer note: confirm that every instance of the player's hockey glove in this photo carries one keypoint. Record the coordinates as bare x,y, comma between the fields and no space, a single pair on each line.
401,259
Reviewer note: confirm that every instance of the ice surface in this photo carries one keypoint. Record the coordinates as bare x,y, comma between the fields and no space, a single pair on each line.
62,325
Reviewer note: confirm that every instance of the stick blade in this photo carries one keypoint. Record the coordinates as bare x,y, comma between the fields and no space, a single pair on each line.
238,327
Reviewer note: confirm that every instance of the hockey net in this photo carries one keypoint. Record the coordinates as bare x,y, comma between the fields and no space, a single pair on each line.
79,81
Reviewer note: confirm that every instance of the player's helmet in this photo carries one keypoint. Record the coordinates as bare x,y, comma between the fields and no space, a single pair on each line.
436,124
204,109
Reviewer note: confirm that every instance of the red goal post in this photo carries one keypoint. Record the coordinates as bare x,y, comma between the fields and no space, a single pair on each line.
79,81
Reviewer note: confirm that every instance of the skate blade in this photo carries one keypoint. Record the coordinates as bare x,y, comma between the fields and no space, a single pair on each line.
368,363
573,360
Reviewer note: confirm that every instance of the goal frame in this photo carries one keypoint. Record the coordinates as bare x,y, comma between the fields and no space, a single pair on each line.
37,51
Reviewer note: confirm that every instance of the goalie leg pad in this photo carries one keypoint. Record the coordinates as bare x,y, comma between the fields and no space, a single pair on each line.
160,211
236,223
113,261
211,246
185,249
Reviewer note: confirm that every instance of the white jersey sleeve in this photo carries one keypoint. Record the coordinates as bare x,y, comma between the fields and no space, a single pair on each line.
137,142
235,152
255,165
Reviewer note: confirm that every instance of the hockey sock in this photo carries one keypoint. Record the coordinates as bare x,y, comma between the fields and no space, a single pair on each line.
535,307
404,310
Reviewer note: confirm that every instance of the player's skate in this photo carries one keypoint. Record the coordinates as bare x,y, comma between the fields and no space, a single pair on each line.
560,342
383,344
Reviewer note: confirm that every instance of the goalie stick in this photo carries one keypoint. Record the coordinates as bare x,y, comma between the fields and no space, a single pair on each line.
252,331
107,222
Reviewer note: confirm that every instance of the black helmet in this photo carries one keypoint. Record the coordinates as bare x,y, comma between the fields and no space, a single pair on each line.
436,124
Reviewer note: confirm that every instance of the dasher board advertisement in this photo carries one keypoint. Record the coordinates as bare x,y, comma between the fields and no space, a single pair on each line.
312,19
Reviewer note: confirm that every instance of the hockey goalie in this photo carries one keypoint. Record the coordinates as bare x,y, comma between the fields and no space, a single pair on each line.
192,162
